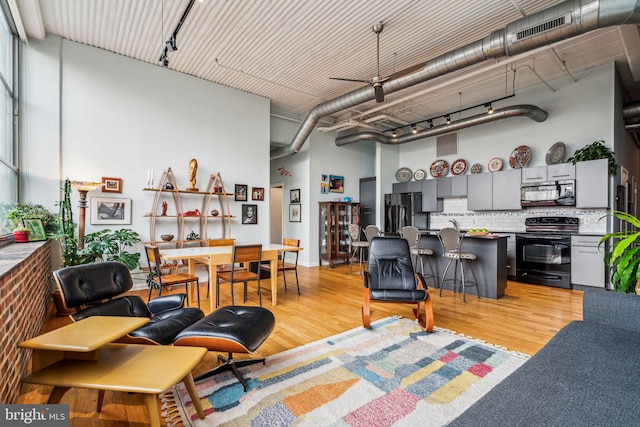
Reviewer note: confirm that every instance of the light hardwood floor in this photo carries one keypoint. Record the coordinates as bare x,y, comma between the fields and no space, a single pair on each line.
330,302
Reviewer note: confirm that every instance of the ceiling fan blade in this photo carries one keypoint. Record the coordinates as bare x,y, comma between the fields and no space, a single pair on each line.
349,80
379,93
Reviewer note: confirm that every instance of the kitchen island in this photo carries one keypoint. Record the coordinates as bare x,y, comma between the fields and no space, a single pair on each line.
490,266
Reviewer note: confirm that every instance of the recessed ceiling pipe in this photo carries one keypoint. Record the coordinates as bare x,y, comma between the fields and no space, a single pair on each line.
530,111
568,19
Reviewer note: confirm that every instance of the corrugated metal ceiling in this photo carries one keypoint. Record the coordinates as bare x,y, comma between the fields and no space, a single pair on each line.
286,50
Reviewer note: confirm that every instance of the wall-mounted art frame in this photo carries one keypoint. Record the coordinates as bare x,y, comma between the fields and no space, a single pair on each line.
295,212
249,214
240,192
324,184
294,196
36,229
336,184
111,185
110,211
257,193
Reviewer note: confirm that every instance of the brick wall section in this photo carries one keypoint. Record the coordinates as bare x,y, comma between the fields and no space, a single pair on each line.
25,293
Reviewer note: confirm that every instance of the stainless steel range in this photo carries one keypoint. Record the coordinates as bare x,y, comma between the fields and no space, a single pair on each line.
544,251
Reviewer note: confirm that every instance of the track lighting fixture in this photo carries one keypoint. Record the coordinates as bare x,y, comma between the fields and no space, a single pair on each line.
448,119
414,129
430,123
164,59
490,108
394,133
171,44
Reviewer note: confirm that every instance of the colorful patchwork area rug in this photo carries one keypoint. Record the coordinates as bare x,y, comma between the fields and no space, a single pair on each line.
394,374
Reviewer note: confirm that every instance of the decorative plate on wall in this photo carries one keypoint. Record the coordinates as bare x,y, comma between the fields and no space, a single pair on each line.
419,175
439,168
520,157
404,174
555,153
476,168
458,167
495,164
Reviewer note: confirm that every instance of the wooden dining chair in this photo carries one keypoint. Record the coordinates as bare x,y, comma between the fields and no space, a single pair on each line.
241,255
159,280
282,263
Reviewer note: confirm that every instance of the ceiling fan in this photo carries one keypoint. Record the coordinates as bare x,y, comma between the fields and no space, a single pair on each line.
377,80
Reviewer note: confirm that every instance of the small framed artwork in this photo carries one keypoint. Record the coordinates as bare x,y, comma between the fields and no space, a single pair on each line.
257,193
294,196
249,214
111,185
113,211
295,212
36,229
336,184
240,193
324,184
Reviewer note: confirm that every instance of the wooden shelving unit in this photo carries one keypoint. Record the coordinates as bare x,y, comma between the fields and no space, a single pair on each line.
335,218
175,211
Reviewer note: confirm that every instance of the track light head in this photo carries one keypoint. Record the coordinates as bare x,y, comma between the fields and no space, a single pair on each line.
448,119
489,108
164,59
430,123
394,133
171,44
414,129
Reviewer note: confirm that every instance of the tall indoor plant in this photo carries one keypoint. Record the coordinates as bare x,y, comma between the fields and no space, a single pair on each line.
107,245
623,256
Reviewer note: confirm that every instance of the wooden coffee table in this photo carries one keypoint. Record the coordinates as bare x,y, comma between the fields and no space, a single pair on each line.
82,355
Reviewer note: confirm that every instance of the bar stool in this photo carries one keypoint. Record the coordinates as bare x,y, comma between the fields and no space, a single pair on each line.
357,245
412,235
451,240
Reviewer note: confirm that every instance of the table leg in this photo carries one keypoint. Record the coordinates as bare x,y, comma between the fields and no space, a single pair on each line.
274,281
56,394
193,394
192,272
151,402
213,291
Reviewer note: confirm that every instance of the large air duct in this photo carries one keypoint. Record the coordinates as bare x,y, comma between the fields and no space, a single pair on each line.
568,19
530,111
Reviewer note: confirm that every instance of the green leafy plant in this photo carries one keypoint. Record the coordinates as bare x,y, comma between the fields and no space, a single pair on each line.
623,256
107,245
12,214
594,151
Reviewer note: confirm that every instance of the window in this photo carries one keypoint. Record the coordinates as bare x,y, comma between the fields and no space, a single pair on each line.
8,111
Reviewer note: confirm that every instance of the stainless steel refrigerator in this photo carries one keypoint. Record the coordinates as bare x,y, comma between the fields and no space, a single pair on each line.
403,209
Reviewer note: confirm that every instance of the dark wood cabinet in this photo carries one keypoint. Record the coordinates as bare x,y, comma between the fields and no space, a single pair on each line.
334,221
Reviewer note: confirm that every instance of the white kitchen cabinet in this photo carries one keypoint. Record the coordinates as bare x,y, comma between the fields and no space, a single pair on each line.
587,261
592,184
480,192
537,174
558,172
506,190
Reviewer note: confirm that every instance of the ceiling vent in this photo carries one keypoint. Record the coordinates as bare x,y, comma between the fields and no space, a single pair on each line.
541,28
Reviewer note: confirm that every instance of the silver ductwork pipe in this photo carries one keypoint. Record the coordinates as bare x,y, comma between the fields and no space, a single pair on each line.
568,19
530,111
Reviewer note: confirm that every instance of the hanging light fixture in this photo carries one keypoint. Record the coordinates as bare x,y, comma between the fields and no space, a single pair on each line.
490,108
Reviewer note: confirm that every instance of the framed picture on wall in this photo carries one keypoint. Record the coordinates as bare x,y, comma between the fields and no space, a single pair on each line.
111,185
240,193
336,184
107,210
295,214
249,214
294,196
257,193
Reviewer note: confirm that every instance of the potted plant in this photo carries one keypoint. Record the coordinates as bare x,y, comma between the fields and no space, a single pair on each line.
21,234
622,257
12,214
594,151
107,245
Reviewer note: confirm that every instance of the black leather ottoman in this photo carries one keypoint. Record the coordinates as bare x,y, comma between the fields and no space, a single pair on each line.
231,329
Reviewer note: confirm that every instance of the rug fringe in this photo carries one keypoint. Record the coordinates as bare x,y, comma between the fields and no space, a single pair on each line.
170,409
479,341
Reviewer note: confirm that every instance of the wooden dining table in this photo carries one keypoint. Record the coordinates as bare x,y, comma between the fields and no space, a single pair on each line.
220,255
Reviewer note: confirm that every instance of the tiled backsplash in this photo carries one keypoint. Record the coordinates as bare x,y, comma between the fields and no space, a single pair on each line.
511,221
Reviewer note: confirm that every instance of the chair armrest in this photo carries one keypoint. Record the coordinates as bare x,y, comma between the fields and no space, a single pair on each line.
166,303
366,279
420,282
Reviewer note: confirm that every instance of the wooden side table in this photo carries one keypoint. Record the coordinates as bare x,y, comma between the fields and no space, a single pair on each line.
81,355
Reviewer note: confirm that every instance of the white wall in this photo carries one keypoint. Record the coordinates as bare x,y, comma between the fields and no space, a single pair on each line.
119,117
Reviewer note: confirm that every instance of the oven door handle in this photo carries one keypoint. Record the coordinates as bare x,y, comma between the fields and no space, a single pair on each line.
529,238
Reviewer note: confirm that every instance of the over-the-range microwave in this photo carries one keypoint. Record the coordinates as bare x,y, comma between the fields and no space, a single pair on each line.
551,193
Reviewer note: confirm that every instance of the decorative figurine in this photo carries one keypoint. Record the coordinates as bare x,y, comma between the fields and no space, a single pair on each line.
193,168
164,208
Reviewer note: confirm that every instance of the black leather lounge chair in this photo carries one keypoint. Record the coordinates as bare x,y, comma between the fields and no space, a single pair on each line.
91,288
